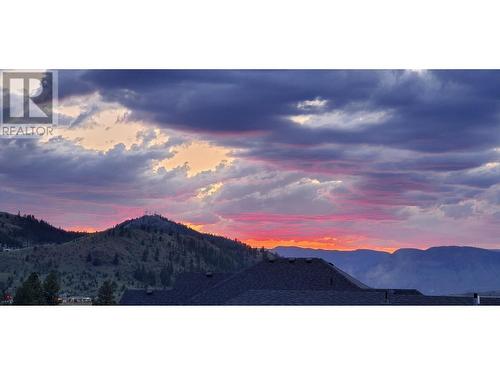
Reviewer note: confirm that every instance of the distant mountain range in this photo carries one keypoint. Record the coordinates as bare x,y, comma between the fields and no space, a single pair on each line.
440,270
150,250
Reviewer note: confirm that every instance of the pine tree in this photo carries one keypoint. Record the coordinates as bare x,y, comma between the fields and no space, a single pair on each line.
116,260
30,292
51,288
151,278
165,276
145,255
105,295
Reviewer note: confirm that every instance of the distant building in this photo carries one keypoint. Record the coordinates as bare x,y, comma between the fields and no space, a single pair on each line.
286,281
7,299
75,300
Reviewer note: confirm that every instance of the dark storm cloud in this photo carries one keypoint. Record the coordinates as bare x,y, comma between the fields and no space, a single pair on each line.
227,101
439,126
432,112
61,169
72,82
28,164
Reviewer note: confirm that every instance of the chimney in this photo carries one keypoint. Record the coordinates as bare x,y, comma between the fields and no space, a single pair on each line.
477,299
386,299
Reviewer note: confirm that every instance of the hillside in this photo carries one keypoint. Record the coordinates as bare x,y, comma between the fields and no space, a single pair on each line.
437,270
18,231
150,250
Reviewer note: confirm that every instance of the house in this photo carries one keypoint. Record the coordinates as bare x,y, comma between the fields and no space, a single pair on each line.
286,281
7,299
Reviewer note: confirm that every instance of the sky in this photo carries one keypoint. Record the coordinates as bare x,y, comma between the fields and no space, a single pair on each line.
335,159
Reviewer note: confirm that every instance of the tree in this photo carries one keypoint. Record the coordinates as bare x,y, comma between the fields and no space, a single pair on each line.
105,295
97,262
51,288
140,274
265,254
145,255
165,276
30,292
151,278
116,260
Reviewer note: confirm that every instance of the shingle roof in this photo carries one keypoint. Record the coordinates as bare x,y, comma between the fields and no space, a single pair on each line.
493,301
186,286
306,297
141,297
324,298
189,284
286,281
280,274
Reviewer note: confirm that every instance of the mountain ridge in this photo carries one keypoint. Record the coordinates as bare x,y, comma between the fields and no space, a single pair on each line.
436,270
149,250
439,247
26,230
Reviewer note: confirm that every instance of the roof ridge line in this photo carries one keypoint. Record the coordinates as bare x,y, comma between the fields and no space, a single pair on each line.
346,275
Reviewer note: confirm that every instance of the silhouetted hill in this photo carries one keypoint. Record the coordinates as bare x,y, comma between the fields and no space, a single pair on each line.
21,231
150,250
437,270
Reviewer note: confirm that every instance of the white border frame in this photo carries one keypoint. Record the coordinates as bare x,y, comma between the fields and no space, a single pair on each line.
259,34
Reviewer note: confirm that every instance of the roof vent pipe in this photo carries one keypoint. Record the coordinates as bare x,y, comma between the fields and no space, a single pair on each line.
477,299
